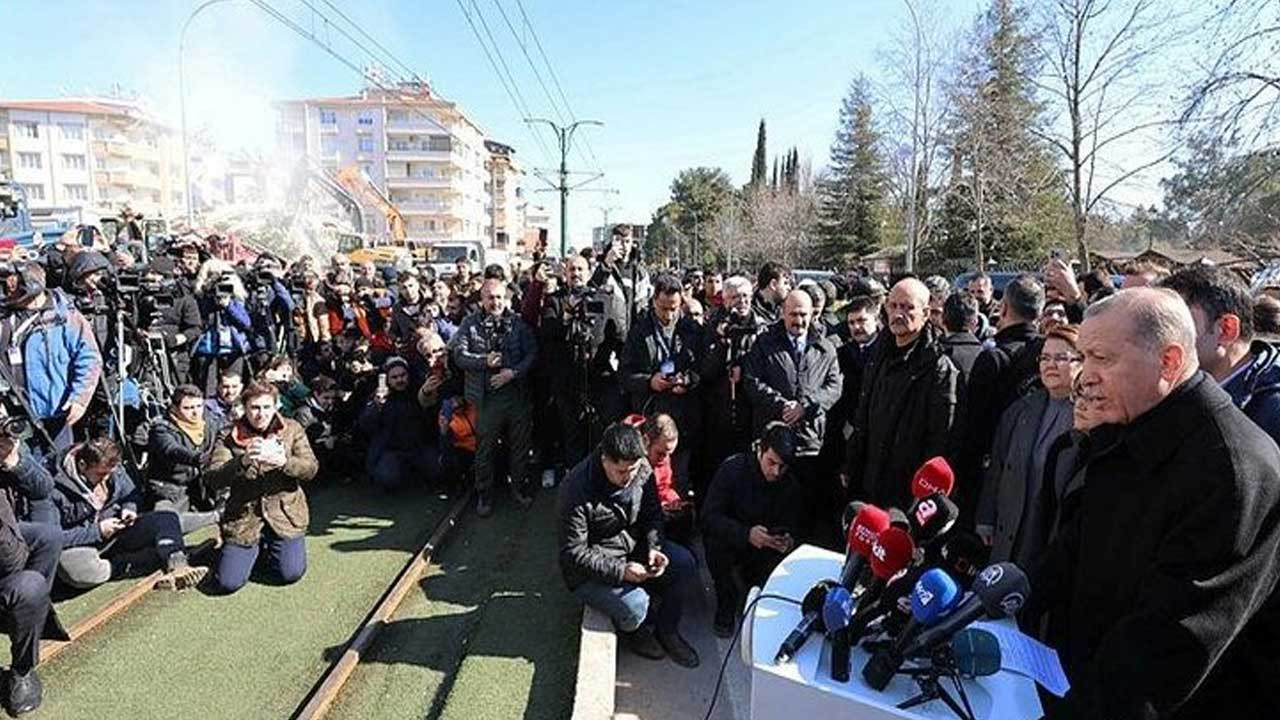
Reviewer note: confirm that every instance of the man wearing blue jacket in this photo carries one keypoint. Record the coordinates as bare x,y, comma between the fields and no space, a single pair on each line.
50,355
1248,369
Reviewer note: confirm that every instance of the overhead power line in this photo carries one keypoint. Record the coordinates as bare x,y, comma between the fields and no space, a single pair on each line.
411,74
555,79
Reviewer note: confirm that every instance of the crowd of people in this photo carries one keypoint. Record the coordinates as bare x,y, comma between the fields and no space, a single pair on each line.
1119,444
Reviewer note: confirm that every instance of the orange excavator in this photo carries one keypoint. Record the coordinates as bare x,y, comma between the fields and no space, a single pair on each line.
354,181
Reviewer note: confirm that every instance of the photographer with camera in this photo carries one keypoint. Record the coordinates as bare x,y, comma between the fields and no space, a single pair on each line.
661,369
224,345
496,350
43,330
567,345
104,536
88,278
731,331
402,437
170,314
271,307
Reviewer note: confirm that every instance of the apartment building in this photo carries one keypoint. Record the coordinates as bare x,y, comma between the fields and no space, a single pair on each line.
87,157
418,150
506,190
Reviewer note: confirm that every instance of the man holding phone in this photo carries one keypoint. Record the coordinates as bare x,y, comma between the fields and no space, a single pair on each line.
263,458
612,553
750,517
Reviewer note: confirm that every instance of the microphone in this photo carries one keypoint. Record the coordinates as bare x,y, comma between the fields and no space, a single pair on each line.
931,517
866,526
999,591
933,596
963,554
934,476
811,622
850,512
898,519
891,553
975,653
836,609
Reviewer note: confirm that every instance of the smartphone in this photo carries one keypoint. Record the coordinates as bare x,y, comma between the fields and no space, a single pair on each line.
779,531
382,383
1056,254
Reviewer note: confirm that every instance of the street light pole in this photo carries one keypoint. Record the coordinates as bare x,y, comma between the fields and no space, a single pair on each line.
182,105
565,137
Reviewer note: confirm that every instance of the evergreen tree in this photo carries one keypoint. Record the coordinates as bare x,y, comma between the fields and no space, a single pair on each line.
774,184
852,195
1004,198
759,162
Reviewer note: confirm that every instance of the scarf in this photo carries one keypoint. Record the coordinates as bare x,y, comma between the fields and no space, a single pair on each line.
193,430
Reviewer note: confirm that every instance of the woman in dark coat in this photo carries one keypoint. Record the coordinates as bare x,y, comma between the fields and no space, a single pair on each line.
1009,508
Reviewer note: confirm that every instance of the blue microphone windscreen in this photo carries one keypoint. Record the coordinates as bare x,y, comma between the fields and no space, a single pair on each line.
837,609
933,596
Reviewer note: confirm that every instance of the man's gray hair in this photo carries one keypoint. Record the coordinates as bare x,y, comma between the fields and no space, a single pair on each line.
738,284
1159,318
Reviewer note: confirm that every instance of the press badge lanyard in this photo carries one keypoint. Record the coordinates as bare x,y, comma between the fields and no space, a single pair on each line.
16,339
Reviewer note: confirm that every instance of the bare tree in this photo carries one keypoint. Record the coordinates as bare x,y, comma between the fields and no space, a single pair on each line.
1103,79
1237,94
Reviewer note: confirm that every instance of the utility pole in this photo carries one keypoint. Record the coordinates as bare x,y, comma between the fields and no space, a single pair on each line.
605,210
564,135
182,106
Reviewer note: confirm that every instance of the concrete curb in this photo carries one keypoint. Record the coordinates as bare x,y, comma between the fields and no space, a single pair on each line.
597,667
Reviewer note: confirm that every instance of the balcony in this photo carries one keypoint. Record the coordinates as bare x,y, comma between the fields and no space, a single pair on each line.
423,207
420,181
116,147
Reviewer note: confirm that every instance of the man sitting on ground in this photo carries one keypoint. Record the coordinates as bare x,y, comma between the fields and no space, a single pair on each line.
612,554
103,534
751,515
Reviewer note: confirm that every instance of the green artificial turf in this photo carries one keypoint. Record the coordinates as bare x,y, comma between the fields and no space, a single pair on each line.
491,634
254,654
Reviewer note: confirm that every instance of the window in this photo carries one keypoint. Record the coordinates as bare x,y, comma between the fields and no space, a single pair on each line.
440,143
34,192
329,146
31,161
76,192
73,162
328,117
71,131
365,119
366,144
100,163
27,129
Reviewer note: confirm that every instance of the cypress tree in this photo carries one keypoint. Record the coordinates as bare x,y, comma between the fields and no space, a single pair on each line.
760,160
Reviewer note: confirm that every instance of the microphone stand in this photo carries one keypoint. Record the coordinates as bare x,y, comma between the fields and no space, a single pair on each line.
929,681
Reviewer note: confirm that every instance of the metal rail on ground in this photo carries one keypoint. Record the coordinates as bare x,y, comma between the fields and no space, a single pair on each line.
50,649
322,695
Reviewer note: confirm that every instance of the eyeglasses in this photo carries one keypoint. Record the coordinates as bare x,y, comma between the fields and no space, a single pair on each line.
1061,358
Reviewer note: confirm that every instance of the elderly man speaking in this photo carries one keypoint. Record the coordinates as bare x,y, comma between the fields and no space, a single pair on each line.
1159,584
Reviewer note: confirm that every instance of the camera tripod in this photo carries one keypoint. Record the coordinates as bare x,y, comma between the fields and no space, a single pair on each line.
929,681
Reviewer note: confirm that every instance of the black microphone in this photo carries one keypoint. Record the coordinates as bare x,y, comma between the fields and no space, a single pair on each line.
811,608
975,653
931,517
999,591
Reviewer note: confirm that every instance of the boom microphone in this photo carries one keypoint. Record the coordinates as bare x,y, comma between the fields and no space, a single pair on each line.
810,623
863,531
934,476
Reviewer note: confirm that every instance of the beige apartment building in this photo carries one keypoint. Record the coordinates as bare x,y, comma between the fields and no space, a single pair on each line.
420,151
82,158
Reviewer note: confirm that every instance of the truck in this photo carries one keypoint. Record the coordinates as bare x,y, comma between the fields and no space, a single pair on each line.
16,229
444,255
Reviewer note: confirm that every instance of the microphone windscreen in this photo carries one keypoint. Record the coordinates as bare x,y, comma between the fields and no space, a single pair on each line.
850,512
932,516
816,597
837,609
892,551
964,554
976,653
934,476
933,596
867,524
1003,589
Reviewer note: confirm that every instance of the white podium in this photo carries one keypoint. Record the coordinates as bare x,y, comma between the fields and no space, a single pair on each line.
802,689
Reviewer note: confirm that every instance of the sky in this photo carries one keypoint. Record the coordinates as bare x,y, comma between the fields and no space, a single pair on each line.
676,84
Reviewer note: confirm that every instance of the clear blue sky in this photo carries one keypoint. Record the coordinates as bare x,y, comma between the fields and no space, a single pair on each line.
677,84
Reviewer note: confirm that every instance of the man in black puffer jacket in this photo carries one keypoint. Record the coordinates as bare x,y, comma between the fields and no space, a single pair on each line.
177,452
750,519
612,554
